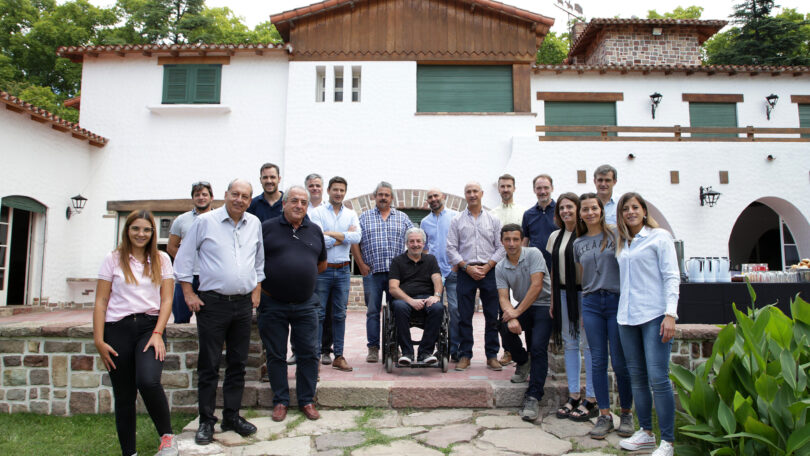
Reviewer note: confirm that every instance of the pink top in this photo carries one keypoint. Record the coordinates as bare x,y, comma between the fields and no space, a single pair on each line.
129,298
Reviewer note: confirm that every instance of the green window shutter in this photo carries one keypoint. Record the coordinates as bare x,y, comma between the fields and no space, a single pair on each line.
464,88
804,118
579,113
175,83
416,215
713,115
24,203
206,84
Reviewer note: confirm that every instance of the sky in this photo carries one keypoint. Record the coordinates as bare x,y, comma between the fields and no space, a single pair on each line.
256,11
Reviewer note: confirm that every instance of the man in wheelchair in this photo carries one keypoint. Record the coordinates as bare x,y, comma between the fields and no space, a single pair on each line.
415,284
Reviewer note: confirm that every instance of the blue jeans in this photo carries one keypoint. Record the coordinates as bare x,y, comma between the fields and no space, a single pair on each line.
452,306
573,345
181,312
332,288
537,321
373,287
275,320
599,316
648,363
466,307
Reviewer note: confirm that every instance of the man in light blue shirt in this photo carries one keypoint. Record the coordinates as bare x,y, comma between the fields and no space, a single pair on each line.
228,244
341,229
436,225
604,178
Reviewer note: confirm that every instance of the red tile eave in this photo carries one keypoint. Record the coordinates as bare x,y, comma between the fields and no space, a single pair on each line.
77,53
40,115
667,69
707,29
314,8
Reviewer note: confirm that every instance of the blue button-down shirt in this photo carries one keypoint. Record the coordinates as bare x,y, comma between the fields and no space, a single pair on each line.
650,278
263,210
474,239
324,216
231,256
436,228
538,224
610,212
382,240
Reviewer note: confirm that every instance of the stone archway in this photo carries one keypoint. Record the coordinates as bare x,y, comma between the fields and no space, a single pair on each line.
757,230
405,199
657,215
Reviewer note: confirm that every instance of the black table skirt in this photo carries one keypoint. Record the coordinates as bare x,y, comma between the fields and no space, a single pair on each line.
711,302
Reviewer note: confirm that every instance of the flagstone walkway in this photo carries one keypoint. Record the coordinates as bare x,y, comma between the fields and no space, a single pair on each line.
372,432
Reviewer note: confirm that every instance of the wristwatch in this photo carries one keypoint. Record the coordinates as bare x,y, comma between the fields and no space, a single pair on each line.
464,268
438,295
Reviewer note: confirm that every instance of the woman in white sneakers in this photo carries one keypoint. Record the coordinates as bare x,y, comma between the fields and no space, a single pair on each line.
133,305
648,306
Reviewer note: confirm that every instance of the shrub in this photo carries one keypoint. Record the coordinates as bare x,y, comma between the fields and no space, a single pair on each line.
751,396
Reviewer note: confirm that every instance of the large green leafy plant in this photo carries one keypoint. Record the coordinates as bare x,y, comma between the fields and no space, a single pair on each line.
751,396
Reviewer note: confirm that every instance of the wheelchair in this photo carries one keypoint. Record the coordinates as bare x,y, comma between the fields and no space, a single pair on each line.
389,339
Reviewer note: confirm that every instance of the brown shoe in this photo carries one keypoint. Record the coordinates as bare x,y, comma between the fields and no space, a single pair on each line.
341,364
310,412
506,359
373,355
279,412
463,364
492,363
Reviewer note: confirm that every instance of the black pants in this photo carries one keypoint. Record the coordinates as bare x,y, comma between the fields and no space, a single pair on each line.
136,370
222,322
433,324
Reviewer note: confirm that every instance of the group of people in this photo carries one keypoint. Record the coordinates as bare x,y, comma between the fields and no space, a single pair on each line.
550,272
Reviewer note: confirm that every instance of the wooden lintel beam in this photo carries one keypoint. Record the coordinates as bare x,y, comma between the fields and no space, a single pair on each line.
14,108
37,118
147,53
120,54
58,127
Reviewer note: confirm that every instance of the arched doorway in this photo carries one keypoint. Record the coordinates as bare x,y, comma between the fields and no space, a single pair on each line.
657,215
411,201
769,230
22,235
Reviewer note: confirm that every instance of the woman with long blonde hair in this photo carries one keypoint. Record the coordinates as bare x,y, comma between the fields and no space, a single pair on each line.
648,308
133,305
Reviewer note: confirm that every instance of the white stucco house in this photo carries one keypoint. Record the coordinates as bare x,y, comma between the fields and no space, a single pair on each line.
420,94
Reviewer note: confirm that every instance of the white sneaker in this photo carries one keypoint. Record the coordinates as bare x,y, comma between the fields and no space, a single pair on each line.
665,449
638,441
168,446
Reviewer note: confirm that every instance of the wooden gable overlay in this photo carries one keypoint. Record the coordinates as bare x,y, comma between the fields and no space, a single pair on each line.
440,31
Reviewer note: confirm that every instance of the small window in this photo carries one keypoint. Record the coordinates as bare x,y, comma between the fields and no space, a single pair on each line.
356,83
338,83
804,118
579,113
320,84
713,115
464,88
190,84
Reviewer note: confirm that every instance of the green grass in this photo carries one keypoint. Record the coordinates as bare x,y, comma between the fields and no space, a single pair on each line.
81,435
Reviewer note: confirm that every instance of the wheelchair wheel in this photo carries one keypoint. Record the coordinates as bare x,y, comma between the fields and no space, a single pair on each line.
386,330
389,363
445,363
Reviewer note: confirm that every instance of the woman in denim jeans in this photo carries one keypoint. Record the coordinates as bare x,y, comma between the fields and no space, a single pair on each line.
594,252
567,307
650,281
133,305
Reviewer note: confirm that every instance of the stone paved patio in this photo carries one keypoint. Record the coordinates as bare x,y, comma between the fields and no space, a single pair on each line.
458,432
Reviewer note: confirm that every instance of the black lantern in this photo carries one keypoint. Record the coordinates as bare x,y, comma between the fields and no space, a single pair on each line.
655,99
771,99
708,196
78,203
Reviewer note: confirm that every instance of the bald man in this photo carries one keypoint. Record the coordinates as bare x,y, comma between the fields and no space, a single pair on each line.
474,248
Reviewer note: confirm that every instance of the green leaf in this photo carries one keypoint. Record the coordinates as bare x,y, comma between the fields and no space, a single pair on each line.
780,328
798,439
766,387
708,438
682,377
689,450
764,433
751,292
697,428
725,451
725,339
798,408
800,310
788,369
743,408
726,417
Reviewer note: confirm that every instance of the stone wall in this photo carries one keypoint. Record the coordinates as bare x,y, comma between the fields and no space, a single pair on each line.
55,370
635,45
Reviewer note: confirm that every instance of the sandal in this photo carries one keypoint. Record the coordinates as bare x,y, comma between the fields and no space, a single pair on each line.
585,411
566,409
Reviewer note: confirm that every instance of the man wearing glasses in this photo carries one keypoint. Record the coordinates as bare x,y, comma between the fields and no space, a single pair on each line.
295,253
202,196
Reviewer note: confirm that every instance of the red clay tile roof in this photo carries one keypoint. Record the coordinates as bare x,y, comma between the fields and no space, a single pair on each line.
327,5
57,123
668,69
76,53
706,28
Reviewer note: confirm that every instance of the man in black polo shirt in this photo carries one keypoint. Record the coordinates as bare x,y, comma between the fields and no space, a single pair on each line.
296,254
415,283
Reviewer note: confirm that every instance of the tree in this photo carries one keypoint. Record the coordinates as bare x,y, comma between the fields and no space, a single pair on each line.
760,38
690,12
222,26
554,49
158,21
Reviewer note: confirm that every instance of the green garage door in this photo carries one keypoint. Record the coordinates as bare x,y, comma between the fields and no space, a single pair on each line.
579,113
713,115
464,88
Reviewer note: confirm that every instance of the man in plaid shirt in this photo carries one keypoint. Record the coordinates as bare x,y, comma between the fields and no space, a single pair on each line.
382,238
